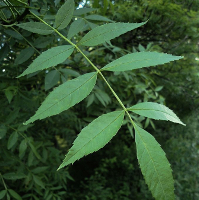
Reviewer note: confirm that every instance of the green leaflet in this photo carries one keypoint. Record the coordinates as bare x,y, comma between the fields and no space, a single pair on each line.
24,55
155,111
107,32
139,60
65,96
36,27
75,28
14,194
154,165
83,11
12,140
51,79
3,130
94,136
98,18
49,58
64,15
2,194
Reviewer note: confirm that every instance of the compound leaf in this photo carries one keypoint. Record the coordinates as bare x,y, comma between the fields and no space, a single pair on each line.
36,27
155,111
65,96
64,14
154,165
107,32
94,136
49,58
139,60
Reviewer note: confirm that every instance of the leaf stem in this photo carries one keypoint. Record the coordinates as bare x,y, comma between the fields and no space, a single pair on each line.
78,49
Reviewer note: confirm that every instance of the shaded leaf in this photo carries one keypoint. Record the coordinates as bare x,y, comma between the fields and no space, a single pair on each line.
34,150
75,28
51,79
9,95
98,18
42,42
49,58
107,32
22,148
12,140
66,96
2,193
14,194
154,165
38,181
155,111
94,136
3,130
14,176
64,14
139,60
24,55
36,27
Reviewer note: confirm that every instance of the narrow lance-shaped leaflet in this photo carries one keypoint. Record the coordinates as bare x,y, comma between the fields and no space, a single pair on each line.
155,111
154,165
107,32
65,96
139,60
64,15
94,136
49,58
36,27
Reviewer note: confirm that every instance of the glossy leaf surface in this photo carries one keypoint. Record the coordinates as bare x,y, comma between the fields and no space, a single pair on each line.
94,136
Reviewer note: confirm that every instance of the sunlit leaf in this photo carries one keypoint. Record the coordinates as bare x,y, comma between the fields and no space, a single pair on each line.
154,165
107,32
94,136
65,96
139,60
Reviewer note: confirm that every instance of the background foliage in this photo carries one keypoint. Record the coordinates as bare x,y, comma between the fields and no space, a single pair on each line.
31,154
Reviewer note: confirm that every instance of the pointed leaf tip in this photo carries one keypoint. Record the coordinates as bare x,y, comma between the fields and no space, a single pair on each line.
107,32
94,136
65,96
155,111
139,60
154,165
49,58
